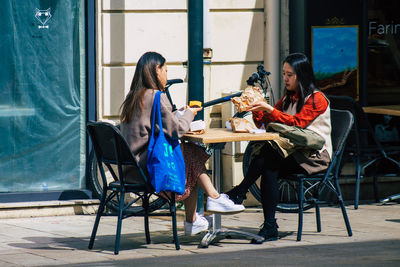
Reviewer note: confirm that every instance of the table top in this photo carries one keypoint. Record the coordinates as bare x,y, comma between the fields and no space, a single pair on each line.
393,110
222,135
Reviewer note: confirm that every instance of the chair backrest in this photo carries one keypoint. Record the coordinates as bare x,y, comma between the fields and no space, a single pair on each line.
342,122
363,134
111,148
361,122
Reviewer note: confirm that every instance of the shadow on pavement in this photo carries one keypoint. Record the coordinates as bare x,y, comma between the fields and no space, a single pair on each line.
105,243
375,253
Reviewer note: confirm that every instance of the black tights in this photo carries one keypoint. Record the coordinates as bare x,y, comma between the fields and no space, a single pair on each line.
270,165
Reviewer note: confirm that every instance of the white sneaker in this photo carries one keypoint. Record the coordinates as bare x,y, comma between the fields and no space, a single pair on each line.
223,205
199,225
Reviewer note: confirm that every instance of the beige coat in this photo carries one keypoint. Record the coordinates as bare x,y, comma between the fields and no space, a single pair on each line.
137,132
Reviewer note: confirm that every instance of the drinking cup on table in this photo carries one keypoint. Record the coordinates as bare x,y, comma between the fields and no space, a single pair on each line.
195,104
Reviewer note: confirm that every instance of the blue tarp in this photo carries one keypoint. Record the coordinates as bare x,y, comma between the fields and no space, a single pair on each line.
42,95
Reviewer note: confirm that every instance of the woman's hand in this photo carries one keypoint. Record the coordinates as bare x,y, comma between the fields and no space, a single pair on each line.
261,106
194,110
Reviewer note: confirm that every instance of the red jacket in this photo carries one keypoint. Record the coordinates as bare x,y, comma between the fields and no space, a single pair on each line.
307,114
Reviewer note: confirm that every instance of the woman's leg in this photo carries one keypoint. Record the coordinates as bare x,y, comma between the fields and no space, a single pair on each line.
253,173
267,155
191,205
269,192
273,169
269,183
194,223
269,198
208,188
206,185
217,202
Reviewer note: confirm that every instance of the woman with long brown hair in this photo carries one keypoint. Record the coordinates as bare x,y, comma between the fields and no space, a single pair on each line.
151,76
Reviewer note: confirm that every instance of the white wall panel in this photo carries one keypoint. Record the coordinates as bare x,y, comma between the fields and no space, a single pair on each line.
128,35
114,84
130,28
237,36
113,41
177,4
144,4
236,4
227,78
117,82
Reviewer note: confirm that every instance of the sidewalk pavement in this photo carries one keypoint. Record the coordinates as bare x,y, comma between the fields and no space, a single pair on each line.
63,240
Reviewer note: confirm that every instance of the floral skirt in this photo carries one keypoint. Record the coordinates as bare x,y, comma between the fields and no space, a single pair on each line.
195,159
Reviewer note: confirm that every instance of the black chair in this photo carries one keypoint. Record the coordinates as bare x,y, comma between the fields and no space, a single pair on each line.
370,157
113,152
322,183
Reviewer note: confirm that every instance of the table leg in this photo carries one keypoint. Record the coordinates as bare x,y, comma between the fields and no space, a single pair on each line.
216,218
390,198
395,196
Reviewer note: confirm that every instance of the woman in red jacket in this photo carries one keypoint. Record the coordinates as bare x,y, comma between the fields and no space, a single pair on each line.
304,105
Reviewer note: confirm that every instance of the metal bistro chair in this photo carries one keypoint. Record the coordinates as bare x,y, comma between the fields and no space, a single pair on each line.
319,183
364,148
113,151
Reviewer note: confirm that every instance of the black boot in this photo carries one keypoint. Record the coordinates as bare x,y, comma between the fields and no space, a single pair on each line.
269,230
236,195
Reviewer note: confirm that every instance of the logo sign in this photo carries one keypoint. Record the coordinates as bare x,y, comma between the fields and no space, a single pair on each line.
43,16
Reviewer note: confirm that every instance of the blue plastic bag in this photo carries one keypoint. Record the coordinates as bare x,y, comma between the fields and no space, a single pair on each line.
165,162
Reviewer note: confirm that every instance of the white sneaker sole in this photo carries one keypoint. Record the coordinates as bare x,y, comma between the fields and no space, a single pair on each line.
225,212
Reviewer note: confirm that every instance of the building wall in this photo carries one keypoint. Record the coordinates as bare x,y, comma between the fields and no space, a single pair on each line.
127,29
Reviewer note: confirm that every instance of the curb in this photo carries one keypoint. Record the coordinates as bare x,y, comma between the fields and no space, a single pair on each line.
48,208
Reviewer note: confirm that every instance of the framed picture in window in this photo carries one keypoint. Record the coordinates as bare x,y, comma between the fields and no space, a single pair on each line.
335,59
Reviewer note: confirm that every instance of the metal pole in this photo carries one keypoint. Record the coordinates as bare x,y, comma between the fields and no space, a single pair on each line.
195,47
195,64
91,60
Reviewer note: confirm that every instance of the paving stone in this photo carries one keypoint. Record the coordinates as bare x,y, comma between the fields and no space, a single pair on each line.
63,240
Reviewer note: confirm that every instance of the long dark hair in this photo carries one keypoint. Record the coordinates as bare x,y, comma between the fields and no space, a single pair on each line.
145,77
305,76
